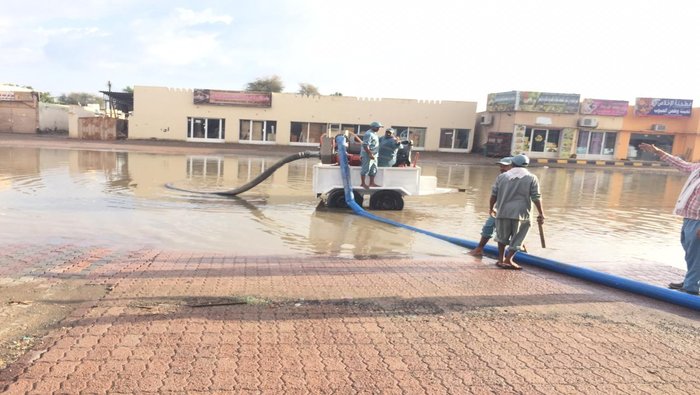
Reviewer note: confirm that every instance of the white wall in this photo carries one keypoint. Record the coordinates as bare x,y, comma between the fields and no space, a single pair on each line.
53,117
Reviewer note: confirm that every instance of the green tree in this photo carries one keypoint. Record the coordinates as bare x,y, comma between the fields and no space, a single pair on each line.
128,89
337,94
308,89
45,97
79,98
267,84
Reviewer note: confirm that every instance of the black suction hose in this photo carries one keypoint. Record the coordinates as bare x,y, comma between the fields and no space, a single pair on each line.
257,180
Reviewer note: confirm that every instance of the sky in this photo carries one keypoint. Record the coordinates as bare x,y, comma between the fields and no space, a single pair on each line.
425,50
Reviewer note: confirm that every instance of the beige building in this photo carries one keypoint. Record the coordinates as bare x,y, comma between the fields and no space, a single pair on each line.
204,115
560,126
19,109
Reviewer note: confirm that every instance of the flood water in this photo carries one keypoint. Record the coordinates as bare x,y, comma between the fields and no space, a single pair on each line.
596,217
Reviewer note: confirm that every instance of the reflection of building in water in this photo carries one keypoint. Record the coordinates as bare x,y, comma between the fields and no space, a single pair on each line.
580,188
205,167
114,166
340,232
335,233
23,160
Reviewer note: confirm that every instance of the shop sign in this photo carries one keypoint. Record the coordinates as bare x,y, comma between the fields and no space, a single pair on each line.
232,98
16,96
503,101
565,103
615,108
648,106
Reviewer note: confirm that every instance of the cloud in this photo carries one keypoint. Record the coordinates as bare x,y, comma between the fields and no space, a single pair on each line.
180,38
192,18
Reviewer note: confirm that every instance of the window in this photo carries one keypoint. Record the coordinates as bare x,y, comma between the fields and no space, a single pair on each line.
596,143
206,128
257,131
416,135
542,140
307,132
663,141
454,138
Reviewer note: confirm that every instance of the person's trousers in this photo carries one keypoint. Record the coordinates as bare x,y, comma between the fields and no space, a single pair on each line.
489,227
691,245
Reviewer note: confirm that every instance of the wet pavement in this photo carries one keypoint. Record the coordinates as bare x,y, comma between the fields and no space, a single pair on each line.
191,323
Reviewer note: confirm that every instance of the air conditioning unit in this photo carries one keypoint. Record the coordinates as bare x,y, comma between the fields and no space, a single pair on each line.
588,122
486,119
658,127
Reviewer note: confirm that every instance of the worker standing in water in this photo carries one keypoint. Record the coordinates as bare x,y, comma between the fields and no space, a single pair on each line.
489,227
512,197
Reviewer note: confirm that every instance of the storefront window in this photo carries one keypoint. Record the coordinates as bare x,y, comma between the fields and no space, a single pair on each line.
663,141
543,140
609,145
596,143
307,132
414,134
206,128
258,131
454,138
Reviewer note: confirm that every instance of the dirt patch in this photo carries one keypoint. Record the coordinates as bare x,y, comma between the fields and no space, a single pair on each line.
30,308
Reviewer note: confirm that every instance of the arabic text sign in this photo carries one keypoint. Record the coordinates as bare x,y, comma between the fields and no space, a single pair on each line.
503,101
616,108
567,103
648,106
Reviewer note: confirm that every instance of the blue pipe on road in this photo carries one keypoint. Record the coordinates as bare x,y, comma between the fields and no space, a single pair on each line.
610,280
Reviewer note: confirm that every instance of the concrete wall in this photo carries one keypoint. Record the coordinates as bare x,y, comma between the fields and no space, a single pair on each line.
19,112
74,114
162,113
99,128
53,117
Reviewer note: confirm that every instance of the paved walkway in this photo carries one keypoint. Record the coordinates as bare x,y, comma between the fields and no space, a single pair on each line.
190,323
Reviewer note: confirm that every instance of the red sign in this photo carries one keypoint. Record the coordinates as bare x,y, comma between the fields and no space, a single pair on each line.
615,108
232,98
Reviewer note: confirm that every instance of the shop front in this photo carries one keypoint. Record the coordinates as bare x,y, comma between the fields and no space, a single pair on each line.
663,141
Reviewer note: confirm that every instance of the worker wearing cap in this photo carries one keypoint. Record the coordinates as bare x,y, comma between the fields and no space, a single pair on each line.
389,145
368,155
512,198
490,223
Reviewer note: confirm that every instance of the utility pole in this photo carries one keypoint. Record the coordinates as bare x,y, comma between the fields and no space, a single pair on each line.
111,104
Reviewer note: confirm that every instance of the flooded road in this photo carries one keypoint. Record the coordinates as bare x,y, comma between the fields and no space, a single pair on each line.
596,217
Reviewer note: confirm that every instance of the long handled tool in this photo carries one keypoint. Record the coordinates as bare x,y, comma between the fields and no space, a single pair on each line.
539,225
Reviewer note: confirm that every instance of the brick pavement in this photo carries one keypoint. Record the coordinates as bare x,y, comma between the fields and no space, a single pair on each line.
189,323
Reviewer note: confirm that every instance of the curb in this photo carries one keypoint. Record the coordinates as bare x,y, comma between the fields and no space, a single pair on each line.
617,163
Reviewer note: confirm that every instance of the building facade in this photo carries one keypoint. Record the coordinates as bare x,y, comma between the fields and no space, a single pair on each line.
19,110
206,115
547,125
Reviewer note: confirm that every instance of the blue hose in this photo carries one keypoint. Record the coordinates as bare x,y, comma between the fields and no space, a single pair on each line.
652,291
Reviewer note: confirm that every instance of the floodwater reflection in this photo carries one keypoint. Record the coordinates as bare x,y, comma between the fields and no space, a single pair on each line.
596,217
